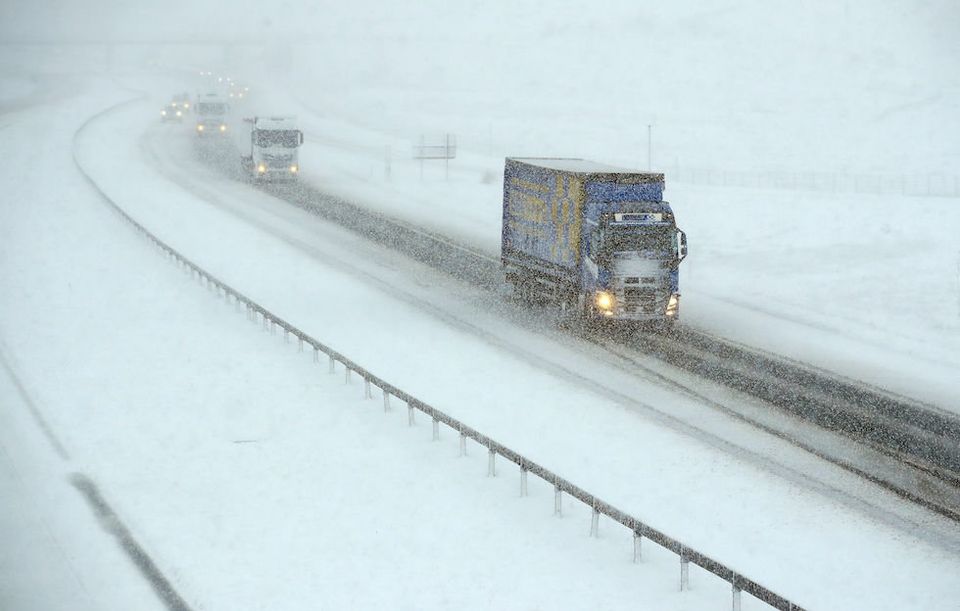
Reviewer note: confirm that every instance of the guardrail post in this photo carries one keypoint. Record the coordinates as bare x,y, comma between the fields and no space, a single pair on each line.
463,443
332,368
595,523
264,314
492,464
299,344
367,393
557,498
410,420
637,547
236,301
736,594
346,375
386,400
684,571
286,335
316,354
436,430
523,480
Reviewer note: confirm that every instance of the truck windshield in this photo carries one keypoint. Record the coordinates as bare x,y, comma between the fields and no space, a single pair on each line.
211,108
639,238
287,138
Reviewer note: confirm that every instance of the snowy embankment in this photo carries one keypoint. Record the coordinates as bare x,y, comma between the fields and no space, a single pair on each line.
579,433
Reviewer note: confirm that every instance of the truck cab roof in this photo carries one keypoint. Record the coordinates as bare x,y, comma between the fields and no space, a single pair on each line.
275,122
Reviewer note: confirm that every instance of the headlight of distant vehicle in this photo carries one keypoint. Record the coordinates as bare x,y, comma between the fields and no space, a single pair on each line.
672,305
294,169
200,128
605,301
186,105
261,168
179,114
223,128
163,113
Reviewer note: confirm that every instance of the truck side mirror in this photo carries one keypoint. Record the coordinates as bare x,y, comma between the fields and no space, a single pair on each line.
683,245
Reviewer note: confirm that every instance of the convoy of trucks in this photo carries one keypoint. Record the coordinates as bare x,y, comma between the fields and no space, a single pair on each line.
274,145
596,240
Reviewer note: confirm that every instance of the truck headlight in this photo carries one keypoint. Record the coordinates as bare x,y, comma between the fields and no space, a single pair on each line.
163,112
223,128
179,114
605,301
673,304
261,168
200,128
294,169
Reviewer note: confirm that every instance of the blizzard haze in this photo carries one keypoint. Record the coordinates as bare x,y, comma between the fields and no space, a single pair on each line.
848,87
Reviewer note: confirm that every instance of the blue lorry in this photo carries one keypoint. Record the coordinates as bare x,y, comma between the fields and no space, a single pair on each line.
596,240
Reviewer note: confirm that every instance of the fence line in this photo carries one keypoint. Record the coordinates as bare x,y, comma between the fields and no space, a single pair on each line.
260,315
933,184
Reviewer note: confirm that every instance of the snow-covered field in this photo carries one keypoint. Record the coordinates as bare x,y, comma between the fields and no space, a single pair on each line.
255,480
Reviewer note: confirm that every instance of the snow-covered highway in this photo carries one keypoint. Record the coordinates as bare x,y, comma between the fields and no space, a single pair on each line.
163,446
439,337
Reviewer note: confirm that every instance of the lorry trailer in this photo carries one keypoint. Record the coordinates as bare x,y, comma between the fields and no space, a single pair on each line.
598,241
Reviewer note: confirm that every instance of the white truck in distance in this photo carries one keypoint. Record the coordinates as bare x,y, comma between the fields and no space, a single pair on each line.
211,112
274,144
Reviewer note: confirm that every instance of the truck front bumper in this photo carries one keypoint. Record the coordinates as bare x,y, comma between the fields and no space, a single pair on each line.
275,175
649,309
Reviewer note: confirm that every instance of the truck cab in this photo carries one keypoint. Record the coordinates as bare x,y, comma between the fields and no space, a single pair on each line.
211,111
632,253
274,149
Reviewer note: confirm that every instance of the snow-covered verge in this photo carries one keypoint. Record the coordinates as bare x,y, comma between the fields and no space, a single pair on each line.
583,435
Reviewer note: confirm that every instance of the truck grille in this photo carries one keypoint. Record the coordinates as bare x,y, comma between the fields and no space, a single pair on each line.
642,298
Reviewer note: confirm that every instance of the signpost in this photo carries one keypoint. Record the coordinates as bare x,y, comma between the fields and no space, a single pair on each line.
446,150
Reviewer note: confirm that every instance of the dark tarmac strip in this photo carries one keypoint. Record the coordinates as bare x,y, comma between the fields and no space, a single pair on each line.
113,525
107,517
